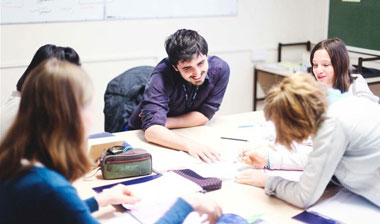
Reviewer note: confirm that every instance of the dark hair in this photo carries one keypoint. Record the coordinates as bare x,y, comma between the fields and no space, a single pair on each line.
183,45
339,59
49,51
49,127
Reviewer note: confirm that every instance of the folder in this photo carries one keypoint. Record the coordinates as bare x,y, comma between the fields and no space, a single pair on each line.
98,143
128,182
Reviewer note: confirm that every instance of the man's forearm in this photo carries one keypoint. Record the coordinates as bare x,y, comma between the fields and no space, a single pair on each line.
191,119
163,136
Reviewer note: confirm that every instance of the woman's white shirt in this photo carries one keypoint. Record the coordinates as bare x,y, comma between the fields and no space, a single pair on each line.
346,145
8,112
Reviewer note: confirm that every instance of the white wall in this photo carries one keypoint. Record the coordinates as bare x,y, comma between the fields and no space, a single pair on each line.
107,48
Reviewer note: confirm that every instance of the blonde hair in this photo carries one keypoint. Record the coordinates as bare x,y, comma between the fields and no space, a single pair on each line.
48,127
296,106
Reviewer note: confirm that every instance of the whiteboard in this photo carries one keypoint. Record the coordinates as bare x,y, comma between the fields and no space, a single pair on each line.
43,11
39,11
130,9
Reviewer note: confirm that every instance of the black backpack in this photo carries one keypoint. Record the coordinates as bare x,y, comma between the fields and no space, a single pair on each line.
122,95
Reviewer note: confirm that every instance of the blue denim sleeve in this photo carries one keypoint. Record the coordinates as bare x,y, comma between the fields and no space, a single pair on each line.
177,213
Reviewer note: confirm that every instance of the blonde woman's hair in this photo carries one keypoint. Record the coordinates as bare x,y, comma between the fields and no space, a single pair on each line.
48,127
296,106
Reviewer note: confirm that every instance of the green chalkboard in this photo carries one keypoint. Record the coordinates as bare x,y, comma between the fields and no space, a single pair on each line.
356,23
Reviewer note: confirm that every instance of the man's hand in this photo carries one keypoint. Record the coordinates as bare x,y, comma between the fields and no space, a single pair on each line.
202,152
255,158
163,136
118,194
256,154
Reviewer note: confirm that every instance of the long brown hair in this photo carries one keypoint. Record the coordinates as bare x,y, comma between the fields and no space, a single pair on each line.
296,106
340,61
48,127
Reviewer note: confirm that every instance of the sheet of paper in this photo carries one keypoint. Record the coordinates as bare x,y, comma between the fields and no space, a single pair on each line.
158,195
263,131
348,207
225,169
123,219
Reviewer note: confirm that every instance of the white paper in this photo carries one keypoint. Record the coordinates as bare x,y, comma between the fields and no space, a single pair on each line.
260,132
123,219
348,207
225,169
158,195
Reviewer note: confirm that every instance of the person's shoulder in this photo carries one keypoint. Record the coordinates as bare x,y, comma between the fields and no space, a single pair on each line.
359,84
358,78
343,102
163,74
37,182
163,67
56,187
350,116
218,66
217,62
47,178
357,107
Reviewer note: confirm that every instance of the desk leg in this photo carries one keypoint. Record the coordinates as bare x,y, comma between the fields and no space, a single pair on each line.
255,89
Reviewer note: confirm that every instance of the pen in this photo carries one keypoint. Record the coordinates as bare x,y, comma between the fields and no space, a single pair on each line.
246,126
235,139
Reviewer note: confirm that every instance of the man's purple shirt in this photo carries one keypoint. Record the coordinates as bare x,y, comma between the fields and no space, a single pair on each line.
165,96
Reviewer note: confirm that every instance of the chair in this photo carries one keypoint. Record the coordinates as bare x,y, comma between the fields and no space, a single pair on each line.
122,95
